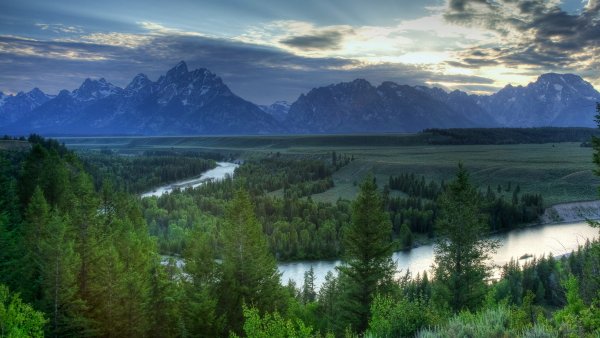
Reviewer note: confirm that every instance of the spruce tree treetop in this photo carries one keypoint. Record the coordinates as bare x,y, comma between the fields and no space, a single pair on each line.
596,156
250,274
368,267
462,252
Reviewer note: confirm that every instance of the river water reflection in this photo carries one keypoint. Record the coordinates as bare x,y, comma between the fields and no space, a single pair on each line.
557,239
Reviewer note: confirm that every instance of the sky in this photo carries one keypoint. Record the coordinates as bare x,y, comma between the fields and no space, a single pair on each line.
269,50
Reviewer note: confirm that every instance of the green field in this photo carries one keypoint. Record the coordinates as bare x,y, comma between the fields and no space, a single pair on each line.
561,172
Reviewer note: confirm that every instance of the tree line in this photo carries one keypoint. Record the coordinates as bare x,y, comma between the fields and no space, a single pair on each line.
137,174
506,208
463,136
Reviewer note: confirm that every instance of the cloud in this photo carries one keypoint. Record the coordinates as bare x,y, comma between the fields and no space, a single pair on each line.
155,28
534,33
430,35
115,39
60,28
11,46
321,40
259,73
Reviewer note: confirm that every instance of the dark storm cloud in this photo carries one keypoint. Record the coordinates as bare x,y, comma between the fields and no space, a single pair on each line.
322,40
543,35
257,73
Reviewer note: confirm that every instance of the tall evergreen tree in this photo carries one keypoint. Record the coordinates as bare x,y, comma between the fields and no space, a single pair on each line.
59,266
34,229
199,306
462,250
10,231
106,291
328,302
250,273
368,257
165,295
596,156
308,288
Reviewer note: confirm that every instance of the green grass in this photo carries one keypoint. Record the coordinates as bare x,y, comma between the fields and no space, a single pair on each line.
561,172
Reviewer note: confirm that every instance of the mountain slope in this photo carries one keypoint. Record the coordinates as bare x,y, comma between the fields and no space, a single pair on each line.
562,100
358,106
197,102
15,107
180,102
278,110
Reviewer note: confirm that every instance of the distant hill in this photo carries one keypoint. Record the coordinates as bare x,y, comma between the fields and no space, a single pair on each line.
197,102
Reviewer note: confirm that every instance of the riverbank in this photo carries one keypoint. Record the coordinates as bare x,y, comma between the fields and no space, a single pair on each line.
560,213
522,244
222,170
571,212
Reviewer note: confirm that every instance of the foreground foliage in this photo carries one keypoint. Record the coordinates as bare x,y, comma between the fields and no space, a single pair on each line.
18,319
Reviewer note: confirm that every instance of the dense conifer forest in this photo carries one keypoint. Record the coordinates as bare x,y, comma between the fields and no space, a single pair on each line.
83,255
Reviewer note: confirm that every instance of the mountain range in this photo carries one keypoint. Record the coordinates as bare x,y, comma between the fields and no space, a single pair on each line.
184,102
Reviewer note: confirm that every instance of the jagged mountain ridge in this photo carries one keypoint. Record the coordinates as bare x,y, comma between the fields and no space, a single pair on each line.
559,100
197,102
279,110
564,100
12,107
180,102
358,106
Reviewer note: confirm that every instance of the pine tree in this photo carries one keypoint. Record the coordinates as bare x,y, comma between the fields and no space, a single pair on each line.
328,301
368,255
199,306
405,236
34,229
308,288
462,251
165,295
59,266
250,273
105,290
136,253
31,172
596,156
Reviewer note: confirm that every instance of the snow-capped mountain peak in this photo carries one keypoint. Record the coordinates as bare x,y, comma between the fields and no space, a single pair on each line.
139,81
279,109
95,89
177,72
552,100
196,102
13,107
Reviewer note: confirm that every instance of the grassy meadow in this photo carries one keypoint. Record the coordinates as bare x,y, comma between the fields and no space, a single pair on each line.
561,172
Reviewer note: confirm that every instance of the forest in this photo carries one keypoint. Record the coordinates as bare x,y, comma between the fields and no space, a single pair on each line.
83,255
508,135
297,227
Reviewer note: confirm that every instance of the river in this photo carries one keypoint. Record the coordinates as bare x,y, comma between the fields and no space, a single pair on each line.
558,239
222,170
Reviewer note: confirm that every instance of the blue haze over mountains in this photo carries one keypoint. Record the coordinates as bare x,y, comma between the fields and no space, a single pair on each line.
197,102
